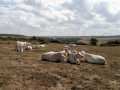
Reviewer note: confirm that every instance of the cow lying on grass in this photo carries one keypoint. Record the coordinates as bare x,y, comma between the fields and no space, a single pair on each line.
75,57
62,56
37,46
91,58
20,49
54,57
72,45
28,48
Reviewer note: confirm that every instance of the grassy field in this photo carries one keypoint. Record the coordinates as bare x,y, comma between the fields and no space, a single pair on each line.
26,70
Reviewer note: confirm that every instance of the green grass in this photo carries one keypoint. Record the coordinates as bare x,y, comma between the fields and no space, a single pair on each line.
26,70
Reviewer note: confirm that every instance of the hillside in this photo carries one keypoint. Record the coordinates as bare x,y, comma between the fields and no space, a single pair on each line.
27,71
15,35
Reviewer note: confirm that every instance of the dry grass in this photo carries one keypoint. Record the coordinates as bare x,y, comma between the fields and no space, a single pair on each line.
26,71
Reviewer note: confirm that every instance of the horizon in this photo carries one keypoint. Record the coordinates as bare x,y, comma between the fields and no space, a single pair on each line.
60,18
56,36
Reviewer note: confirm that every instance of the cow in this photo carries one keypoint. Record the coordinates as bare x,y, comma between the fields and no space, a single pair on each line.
54,56
20,44
41,46
20,49
74,51
35,46
66,46
72,45
28,48
92,58
62,56
75,57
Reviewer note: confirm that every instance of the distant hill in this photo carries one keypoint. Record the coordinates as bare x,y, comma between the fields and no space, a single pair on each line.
56,37
15,35
116,36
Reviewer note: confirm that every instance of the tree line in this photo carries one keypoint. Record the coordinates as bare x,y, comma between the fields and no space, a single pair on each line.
43,40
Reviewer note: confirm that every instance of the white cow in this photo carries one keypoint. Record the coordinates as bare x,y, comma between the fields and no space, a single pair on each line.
35,46
72,45
20,49
74,51
28,48
75,57
42,46
54,57
62,56
20,44
66,46
91,58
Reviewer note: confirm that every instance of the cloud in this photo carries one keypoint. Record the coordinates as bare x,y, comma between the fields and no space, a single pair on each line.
57,18
102,9
79,7
100,26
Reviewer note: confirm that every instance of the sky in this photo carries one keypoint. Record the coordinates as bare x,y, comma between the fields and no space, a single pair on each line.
60,17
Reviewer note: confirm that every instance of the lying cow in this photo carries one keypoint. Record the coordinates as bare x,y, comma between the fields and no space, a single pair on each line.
20,44
91,58
62,56
72,45
54,57
66,46
35,46
20,49
28,48
75,57
41,46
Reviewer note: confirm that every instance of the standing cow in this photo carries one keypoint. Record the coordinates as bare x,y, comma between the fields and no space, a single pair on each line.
22,45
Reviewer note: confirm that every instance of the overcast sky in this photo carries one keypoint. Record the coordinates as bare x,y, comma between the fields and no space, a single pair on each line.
60,17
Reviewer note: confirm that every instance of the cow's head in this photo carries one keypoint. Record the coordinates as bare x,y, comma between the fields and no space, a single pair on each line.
79,55
20,49
74,58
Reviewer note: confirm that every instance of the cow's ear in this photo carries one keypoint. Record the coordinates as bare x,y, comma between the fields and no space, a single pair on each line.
83,52
74,51
67,51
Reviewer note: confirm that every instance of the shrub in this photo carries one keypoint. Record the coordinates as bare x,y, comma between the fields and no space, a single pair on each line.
93,41
111,43
81,43
55,41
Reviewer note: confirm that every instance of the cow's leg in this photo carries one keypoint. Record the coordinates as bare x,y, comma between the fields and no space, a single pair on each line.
63,58
24,47
16,47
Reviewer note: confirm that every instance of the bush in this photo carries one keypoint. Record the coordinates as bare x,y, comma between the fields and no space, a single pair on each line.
43,40
111,43
93,41
103,44
56,41
74,39
80,43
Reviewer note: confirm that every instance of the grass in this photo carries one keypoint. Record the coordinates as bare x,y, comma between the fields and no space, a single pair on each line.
26,70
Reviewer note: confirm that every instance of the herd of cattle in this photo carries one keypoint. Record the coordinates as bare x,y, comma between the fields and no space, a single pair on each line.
66,55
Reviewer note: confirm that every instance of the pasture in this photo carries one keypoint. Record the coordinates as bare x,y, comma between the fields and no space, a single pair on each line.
26,71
